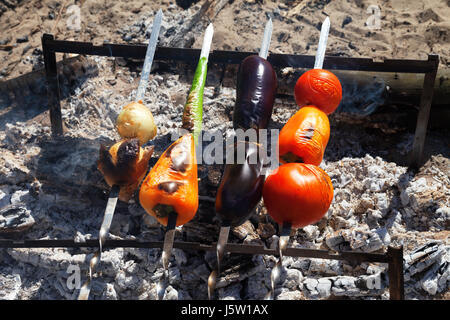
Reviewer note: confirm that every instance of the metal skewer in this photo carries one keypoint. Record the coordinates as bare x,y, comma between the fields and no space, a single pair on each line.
104,230
264,51
286,228
320,54
169,237
172,219
220,251
114,193
276,271
151,48
225,228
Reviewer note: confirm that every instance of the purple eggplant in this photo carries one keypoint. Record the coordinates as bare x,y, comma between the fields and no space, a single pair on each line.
256,89
241,186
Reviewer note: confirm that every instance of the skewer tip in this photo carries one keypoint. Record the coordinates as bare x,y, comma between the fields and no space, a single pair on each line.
207,40
320,55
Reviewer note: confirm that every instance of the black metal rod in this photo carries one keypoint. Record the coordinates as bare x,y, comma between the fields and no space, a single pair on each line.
53,92
395,272
234,57
424,114
230,247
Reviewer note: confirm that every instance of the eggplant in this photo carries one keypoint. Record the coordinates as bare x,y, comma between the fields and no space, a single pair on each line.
241,186
256,89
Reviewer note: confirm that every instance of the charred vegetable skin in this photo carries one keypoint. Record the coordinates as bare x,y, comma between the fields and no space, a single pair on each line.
171,185
125,165
304,137
241,186
256,89
299,194
193,109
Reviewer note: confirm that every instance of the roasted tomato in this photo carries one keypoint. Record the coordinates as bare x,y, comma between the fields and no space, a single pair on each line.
304,137
297,193
320,88
171,185
125,165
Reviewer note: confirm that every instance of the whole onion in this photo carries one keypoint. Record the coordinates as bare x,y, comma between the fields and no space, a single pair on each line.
136,121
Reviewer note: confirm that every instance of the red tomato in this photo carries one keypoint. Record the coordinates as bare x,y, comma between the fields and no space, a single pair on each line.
320,88
297,193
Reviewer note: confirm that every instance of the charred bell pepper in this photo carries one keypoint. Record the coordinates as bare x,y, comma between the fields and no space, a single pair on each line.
304,137
297,193
172,185
125,165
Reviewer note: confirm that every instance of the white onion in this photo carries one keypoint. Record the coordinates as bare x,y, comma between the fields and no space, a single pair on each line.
136,121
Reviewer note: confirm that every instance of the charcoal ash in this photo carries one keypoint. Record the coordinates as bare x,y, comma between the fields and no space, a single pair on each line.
377,203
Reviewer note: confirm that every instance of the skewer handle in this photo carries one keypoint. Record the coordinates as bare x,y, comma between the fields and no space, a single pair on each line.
167,252
103,233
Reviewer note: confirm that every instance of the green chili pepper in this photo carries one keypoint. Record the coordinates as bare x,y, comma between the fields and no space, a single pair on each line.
193,109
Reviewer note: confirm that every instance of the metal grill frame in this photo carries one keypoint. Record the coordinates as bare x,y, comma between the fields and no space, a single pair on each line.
428,67
393,257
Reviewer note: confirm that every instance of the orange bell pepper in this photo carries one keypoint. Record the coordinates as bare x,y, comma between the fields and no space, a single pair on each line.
171,185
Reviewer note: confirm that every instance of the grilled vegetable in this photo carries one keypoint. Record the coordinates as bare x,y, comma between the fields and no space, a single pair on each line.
241,186
125,165
193,109
136,121
298,194
256,89
171,185
320,88
304,137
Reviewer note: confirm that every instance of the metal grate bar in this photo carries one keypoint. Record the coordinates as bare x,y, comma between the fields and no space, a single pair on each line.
230,247
234,57
429,67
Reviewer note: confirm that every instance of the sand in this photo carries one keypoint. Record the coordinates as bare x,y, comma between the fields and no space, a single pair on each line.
408,29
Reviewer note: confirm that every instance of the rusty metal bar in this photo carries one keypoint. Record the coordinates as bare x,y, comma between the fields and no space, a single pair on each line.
429,67
233,57
424,113
230,247
395,273
394,256
53,92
